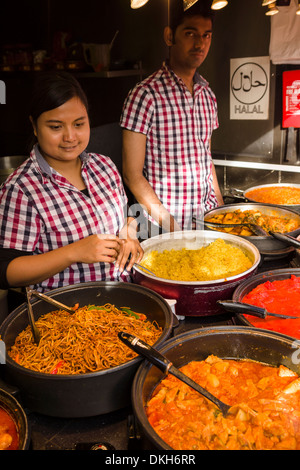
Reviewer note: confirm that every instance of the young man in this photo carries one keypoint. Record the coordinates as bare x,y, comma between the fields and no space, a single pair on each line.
167,123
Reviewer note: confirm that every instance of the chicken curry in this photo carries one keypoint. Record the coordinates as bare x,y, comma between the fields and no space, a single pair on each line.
272,223
267,415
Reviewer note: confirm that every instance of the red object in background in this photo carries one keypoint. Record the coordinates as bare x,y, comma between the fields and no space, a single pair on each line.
291,98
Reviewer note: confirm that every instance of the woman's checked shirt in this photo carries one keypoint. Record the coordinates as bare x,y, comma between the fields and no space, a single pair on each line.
41,211
178,126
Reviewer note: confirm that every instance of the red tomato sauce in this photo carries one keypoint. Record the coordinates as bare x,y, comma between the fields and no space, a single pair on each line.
282,296
8,428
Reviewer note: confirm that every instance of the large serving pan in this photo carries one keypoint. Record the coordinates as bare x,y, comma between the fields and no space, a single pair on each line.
243,194
86,394
264,244
290,327
195,298
229,342
12,406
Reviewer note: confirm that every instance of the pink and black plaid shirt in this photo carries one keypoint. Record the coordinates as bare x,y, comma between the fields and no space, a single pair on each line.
41,211
178,126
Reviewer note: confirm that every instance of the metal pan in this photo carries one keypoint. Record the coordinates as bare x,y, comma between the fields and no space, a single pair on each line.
264,244
243,194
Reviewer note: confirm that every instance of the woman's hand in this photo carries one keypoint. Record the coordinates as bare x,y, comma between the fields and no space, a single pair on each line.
26,270
96,248
131,251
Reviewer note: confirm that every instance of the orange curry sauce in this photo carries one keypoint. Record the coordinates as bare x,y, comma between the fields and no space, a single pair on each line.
186,420
9,439
275,195
282,296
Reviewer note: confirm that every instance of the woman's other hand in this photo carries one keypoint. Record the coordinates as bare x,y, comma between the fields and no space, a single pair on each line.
131,251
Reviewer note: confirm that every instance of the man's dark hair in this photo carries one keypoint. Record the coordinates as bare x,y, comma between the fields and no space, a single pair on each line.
177,13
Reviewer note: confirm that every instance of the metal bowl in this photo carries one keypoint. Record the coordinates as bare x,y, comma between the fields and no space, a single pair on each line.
195,298
266,245
8,164
295,207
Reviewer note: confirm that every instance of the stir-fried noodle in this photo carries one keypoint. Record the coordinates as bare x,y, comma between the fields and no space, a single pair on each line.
83,342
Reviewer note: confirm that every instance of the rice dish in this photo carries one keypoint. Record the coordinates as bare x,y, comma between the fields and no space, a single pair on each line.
218,260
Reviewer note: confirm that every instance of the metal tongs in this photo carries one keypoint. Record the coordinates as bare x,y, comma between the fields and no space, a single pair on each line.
29,293
257,229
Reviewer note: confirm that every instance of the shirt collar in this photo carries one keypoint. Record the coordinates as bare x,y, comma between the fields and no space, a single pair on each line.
174,78
44,167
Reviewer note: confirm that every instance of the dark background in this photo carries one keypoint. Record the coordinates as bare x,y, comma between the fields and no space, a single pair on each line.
241,30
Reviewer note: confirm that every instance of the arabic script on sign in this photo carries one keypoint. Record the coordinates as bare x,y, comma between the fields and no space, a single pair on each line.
249,83
249,88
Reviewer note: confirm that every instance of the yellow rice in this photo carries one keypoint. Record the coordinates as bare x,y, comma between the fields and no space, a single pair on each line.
218,260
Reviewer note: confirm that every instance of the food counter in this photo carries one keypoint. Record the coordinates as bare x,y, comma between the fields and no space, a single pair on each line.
118,428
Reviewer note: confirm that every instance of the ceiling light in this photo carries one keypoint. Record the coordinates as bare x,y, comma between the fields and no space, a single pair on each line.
137,3
218,4
267,2
272,9
188,3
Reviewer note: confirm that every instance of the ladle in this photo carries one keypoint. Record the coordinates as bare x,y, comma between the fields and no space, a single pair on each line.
51,301
248,309
166,366
34,329
286,239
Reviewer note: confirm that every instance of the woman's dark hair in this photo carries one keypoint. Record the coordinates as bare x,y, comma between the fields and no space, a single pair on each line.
177,13
53,89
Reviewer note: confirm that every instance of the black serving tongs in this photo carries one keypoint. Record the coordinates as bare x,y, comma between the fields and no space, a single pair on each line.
248,309
166,366
284,237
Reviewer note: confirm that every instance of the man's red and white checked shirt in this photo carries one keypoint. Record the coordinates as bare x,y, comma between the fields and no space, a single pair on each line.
41,211
178,126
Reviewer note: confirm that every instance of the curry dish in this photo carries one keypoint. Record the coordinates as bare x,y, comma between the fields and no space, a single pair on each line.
267,222
267,415
9,439
218,260
282,195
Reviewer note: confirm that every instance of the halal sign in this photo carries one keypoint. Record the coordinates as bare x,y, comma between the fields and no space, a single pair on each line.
249,86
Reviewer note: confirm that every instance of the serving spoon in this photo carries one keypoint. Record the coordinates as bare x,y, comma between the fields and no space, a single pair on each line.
146,269
166,366
248,309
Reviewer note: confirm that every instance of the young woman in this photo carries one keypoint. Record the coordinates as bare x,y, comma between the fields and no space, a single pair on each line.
62,211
